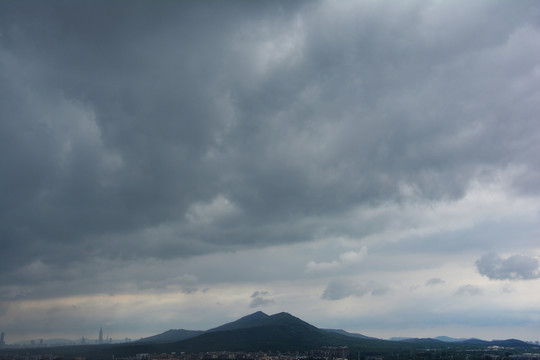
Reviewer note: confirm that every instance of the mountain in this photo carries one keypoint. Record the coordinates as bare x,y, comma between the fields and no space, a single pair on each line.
280,332
444,341
346,333
256,319
398,338
502,343
175,335
285,332
449,339
171,336
510,343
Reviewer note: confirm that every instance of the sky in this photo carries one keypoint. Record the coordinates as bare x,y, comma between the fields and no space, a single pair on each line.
363,165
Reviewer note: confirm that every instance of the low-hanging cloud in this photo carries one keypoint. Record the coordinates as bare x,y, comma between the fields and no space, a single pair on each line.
515,267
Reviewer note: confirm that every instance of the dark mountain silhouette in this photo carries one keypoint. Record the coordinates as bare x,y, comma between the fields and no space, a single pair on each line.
256,319
282,332
174,335
261,332
285,332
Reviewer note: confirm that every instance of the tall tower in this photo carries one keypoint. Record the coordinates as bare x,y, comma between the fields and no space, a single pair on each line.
2,340
100,341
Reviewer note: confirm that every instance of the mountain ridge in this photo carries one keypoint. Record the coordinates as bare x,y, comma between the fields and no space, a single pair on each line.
252,320
281,332
261,319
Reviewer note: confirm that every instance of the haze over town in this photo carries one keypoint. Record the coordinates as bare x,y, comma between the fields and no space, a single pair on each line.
364,165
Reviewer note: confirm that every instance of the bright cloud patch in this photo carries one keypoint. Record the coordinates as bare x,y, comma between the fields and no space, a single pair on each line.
347,258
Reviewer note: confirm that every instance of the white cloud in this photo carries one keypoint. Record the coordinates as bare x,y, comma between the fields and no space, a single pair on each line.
217,209
346,259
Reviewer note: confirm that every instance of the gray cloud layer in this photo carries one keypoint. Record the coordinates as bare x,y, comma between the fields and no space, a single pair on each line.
169,130
515,267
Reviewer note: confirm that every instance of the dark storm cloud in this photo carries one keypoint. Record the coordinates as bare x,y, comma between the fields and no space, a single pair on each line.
167,130
515,267
108,117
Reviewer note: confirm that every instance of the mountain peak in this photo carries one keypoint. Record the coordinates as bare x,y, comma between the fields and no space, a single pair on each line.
257,314
251,320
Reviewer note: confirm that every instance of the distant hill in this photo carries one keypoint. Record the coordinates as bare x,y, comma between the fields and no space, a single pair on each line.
510,343
425,343
398,338
346,333
503,343
442,341
450,339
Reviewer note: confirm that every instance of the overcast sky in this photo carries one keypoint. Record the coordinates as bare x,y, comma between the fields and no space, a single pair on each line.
365,165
